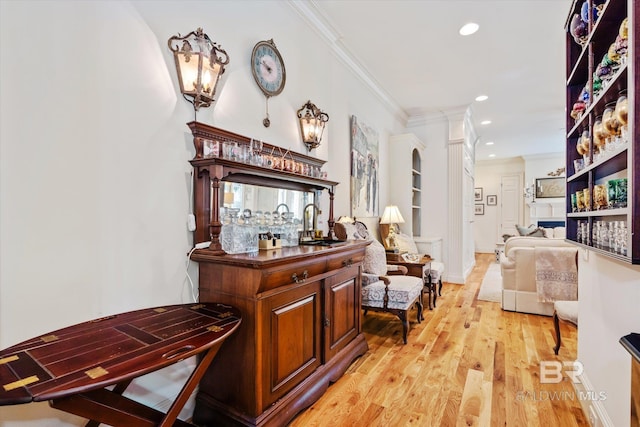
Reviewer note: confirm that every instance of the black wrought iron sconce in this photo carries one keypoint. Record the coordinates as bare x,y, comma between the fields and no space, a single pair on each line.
199,70
312,123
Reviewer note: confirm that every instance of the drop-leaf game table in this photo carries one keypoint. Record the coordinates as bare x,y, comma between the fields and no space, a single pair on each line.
72,367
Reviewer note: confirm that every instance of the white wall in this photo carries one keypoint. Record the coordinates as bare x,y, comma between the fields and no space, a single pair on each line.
488,177
540,166
436,220
609,292
94,174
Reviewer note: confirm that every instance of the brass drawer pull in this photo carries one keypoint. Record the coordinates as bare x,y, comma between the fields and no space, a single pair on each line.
295,278
347,262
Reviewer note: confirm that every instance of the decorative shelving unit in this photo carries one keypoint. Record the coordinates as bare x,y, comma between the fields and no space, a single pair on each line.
622,162
416,191
406,149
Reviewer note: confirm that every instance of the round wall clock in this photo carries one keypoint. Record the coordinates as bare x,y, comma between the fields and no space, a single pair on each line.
268,71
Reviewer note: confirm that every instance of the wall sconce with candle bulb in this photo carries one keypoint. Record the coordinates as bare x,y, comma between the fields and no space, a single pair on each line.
312,123
200,62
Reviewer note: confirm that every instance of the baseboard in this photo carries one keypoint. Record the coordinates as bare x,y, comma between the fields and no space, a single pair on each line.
453,278
590,398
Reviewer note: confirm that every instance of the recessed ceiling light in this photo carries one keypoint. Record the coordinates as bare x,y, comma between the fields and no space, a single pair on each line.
489,143
481,98
468,29
485,122
492,155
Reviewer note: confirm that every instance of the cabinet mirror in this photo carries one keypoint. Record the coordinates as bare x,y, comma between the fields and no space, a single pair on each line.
302,204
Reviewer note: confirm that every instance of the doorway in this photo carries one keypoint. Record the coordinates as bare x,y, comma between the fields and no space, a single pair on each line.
511,209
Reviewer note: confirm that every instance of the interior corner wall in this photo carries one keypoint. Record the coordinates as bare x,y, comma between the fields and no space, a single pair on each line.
94,165
488,177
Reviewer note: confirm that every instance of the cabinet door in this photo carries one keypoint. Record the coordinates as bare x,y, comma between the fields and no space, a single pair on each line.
342,309
291,336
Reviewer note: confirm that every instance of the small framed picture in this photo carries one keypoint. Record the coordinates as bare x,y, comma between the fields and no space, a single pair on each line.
477,194
479,210
550,187
492,200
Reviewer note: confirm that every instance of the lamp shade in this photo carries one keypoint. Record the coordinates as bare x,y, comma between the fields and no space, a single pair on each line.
391,215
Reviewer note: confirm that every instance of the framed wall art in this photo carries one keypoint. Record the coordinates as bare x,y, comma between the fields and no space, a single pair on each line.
550,187
477,194
364,169
479,209
492,200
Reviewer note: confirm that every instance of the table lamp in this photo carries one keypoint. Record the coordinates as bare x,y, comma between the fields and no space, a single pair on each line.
391,217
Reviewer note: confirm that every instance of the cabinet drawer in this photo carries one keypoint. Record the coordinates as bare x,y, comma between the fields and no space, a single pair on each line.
344,260
292,273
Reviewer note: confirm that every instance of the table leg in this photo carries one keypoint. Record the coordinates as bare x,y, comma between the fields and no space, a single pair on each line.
189,386
118,389
427,284
110,407
435,292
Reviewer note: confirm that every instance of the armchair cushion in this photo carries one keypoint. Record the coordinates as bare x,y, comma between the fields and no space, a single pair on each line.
403,291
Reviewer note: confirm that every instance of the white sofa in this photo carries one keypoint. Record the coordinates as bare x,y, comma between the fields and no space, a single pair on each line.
518,269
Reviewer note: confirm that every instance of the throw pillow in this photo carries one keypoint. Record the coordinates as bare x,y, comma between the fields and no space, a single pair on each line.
538,232
375,259
524,231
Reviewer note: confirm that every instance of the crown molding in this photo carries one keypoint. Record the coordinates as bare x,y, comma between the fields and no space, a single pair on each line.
321,24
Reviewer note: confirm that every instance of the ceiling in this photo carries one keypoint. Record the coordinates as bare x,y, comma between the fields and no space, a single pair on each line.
412,52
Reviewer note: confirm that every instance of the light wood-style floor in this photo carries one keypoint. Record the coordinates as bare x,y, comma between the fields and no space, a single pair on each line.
467,364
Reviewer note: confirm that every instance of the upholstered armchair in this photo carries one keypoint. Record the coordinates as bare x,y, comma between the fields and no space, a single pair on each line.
385,288
566,311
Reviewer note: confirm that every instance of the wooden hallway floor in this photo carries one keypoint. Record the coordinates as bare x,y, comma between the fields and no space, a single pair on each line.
467,364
